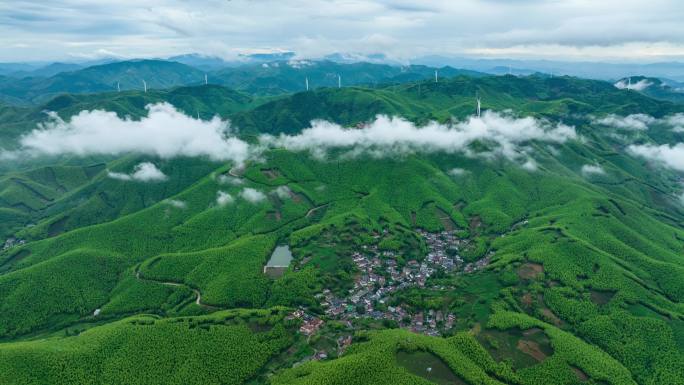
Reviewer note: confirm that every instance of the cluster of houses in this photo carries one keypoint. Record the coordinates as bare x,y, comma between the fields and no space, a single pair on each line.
443,248
380,276
310,323
12,242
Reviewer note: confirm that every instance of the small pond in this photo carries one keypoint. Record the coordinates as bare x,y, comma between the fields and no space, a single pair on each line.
279,261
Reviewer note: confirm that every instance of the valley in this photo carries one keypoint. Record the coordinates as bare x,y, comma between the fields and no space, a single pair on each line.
538,243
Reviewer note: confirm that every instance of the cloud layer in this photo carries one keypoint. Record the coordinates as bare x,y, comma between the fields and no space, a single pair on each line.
59,29
505,133
164,132
671,156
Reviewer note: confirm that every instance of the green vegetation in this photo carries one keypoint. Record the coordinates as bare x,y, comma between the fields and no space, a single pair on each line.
580,277
217,349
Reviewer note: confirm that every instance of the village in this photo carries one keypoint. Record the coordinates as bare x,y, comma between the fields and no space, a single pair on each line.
380,276
12,242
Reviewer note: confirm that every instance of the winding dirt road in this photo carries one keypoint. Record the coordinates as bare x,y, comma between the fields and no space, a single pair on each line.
198,294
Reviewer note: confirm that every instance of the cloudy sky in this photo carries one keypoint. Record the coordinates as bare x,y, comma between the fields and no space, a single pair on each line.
606,30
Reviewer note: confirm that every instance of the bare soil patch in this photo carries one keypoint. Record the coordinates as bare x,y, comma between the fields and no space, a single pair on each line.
270,173
445,219
600,297
580,374
532,349
530,270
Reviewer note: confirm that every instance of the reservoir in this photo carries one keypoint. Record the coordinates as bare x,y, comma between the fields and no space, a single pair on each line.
279,261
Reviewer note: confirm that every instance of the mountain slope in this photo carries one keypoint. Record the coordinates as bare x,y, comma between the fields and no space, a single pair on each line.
100,78
565,276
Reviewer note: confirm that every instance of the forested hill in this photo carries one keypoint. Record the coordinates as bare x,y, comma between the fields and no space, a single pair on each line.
538,244
101,78
559,98
274,78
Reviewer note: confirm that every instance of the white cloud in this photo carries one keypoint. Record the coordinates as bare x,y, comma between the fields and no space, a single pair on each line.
283,192
671,156
143,172
223,198
251,195
176,203
592,169
636,122
636,86
640,122
676,122
229,180
456,171
164,132
530,165
576,29
388,136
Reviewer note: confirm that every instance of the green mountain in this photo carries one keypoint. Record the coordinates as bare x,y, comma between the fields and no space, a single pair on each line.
657,88
268,78
408,267
279,77
101,78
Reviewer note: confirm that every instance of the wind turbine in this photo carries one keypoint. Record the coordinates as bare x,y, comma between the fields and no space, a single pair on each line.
339,81
478,105
206,80
145,85
436,76
629,83
118,87
306,81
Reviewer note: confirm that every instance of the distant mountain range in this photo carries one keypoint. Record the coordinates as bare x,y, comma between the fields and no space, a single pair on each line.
277,73
100,78
268,78
583,69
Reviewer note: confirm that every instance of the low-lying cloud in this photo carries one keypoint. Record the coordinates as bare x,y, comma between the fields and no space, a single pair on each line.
223,198
251,195
592,169
176,203
634,122
229,180
638,86
671,156
641,122
456,172
164,132
675,121
143,172
388,136
283,192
